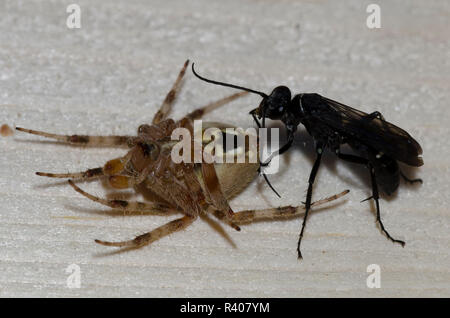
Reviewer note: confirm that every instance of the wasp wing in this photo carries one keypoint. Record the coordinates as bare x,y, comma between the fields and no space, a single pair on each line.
374,132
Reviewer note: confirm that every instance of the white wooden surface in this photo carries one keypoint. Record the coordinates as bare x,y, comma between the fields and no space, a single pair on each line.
110,76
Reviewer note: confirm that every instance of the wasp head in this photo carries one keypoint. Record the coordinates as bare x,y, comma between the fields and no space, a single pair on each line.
273,106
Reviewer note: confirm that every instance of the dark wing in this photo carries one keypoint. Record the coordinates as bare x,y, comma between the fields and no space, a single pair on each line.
377,133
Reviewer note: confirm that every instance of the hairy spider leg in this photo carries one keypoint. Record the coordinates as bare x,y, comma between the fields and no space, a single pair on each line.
111,168
199,112
223,217
181,223
248,216
166,106
214,190
127,206
88,174
84,140
156,234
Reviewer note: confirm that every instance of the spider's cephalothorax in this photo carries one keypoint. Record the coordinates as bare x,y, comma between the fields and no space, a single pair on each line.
192,189
379,144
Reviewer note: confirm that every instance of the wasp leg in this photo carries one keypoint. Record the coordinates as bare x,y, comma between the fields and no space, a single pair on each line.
84,140
282,150
127,206
280,212
375,194
278,152
372,116
312,177
156,234
410,180
166,106
353,158
375,197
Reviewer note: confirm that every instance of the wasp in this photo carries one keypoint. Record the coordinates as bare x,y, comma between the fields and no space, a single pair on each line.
379,144
188,188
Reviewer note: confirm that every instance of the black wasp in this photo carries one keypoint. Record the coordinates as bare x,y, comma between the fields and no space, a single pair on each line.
332,124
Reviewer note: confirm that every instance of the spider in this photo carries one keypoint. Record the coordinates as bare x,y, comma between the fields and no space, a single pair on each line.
192,189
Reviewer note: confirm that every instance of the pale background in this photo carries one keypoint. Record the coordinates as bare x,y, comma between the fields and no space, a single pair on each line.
110,76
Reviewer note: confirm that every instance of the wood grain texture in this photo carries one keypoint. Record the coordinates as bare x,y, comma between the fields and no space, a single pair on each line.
111,75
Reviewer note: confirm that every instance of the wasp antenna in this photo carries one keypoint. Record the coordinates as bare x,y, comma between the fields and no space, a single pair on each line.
226,84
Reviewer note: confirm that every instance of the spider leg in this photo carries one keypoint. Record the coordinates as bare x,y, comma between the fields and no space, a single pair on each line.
280,212
199,112
116,166
127,206
156,234
170,97
214,190
111,168
122,182
222,217
90,173
84,140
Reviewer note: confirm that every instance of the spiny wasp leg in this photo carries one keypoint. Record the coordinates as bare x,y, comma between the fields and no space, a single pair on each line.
312,177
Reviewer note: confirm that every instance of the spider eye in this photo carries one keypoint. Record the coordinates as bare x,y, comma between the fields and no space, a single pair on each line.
142,128
149,150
